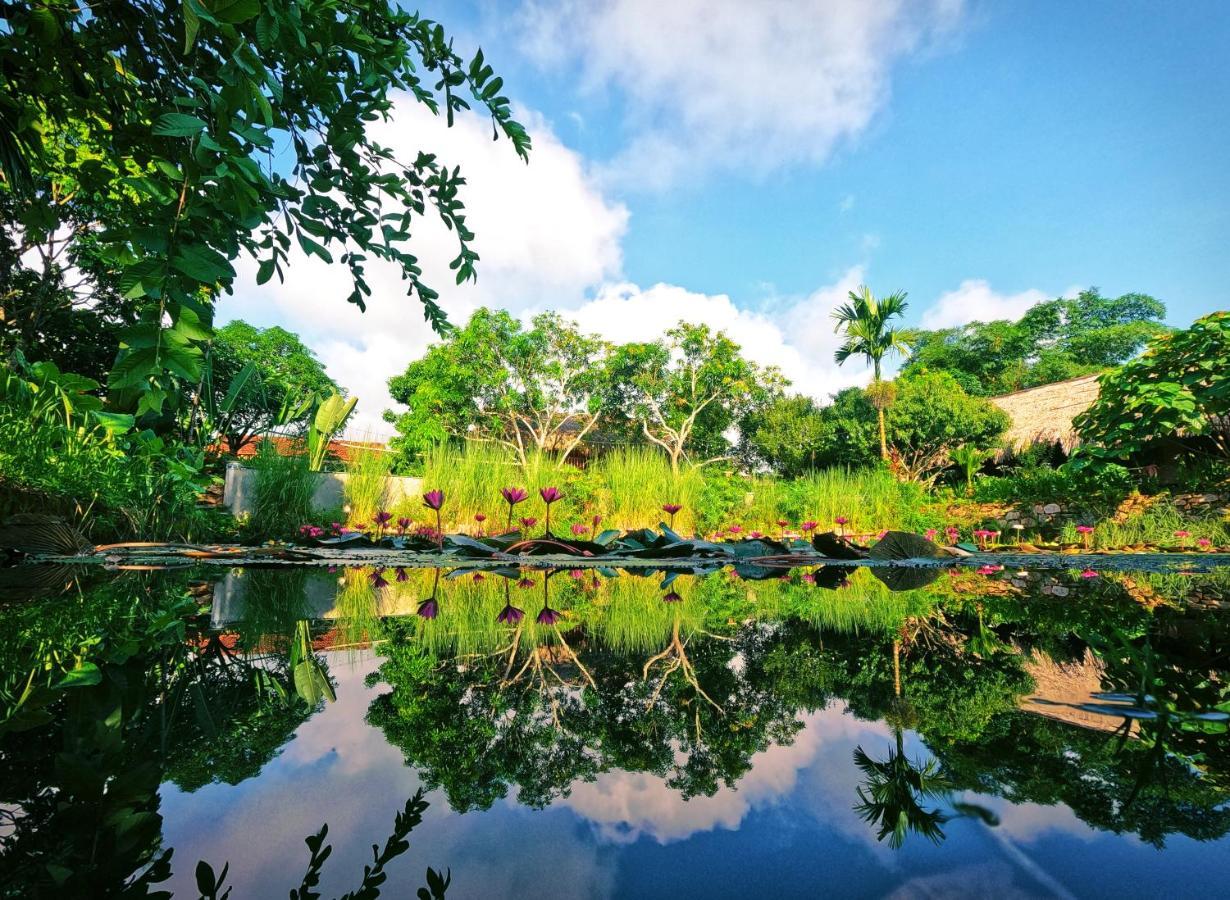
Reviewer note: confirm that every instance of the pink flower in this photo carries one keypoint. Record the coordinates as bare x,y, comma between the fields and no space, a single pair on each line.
579,529
434,500
1089,573
548,616
841,520
509,615
549,495
429,609
671,508
930,534
1182,533
526,583
576,574
401,574
755,534
480,518
479,576
1084,529
735,529
514,495
528,522
377,579
671,597
809,525
1204,542
809,578
402,524
782,523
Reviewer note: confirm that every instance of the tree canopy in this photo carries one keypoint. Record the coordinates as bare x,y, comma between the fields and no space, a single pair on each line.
528,389
683,393
146,132
1179,387
1054,340
285,373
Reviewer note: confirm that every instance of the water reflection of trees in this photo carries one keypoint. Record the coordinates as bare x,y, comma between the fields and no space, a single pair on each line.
679,677
696,688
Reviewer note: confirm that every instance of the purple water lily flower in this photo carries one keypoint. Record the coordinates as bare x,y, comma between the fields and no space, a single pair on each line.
513,496
809,525
509,615
548,616
671,509
526,583
377,579
403,523
434,499
381,519
528,522
579,529
671,597
401,574
549,495
429,609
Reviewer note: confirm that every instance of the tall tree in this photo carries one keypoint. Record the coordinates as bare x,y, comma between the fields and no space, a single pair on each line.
540,388
866,324
685,392
166,139
285,373
1055,340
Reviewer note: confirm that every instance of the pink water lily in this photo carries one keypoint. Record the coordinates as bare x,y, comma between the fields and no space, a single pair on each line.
402,524
510,615
434,500
381,519
579,529
527,523
671,509
429,609
841,524
1089,573
513,496
377,579
809,526
549,495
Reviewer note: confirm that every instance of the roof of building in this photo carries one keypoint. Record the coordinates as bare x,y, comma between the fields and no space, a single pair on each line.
1044,414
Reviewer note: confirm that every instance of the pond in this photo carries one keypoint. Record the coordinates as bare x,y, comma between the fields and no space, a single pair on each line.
583,733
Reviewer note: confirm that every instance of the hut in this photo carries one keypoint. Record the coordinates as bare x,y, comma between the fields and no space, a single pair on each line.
1043,415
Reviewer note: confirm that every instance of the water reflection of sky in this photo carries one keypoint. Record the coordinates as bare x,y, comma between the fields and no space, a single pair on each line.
789,829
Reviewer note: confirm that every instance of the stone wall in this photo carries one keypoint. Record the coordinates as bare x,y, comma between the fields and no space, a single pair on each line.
238,495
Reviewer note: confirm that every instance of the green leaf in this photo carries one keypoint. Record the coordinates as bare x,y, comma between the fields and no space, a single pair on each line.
84,675
178,125
202,263
265,271
236,11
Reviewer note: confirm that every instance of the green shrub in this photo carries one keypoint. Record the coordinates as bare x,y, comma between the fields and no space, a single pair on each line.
367,485
282,493
1098,490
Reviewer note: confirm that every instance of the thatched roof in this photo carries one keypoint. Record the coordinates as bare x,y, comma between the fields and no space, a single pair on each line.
1044,414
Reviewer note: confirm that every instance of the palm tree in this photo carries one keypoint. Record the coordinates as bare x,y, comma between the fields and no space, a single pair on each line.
864,321
894,788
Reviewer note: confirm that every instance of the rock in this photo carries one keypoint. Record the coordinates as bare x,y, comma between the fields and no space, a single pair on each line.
1012,515
1052,509
1059,590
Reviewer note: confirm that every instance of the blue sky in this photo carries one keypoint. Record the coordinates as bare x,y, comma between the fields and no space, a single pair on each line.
747,163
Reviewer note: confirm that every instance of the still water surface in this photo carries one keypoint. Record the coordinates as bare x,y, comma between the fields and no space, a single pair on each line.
1013,734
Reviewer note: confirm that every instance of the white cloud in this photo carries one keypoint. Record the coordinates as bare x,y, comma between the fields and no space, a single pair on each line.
724,83
545,234
796,336
975,300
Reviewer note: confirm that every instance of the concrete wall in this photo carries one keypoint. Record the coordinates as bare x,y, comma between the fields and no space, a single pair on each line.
239,493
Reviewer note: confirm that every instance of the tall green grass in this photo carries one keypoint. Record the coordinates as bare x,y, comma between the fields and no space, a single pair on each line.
367,485
282,493
634,483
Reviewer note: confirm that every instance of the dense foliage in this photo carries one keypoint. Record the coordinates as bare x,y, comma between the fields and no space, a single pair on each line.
549,387
1054,340
143,130
1176,393
277,390
531,390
